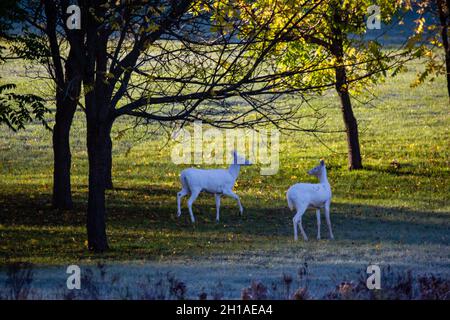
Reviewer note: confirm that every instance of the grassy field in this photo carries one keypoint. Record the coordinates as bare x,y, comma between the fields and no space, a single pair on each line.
385,214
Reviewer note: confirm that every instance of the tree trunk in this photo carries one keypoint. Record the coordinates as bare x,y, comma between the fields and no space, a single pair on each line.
351,125
99,123
67,95
98,151
62,158
444,17
351,128
342,87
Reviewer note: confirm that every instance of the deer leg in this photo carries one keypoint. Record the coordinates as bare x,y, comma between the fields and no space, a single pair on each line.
236,197
318,223
327,216
217,206
297,221
180,195
194,195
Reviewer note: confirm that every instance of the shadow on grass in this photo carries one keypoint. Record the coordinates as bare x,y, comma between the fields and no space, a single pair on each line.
372,221
142,230
148,190
403,169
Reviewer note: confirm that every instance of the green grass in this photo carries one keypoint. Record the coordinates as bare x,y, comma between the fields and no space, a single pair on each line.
380,214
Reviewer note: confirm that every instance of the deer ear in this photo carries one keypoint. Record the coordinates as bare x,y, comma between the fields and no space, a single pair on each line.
322,163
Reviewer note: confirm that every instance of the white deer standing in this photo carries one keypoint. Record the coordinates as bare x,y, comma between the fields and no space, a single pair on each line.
216,181
303,196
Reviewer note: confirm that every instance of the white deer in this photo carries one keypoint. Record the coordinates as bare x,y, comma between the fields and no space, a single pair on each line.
216,181
303,196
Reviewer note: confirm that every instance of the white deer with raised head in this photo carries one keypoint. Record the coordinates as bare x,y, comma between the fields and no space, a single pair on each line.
303,196
216,181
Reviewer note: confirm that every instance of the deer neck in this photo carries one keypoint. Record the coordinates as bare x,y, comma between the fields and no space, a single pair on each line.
234,170
323,176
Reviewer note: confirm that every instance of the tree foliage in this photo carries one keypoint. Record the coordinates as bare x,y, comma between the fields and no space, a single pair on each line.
16,110
336,23
432,33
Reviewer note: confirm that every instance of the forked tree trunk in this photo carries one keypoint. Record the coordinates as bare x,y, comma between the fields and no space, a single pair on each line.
98,151
67,97
62,158
68,84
